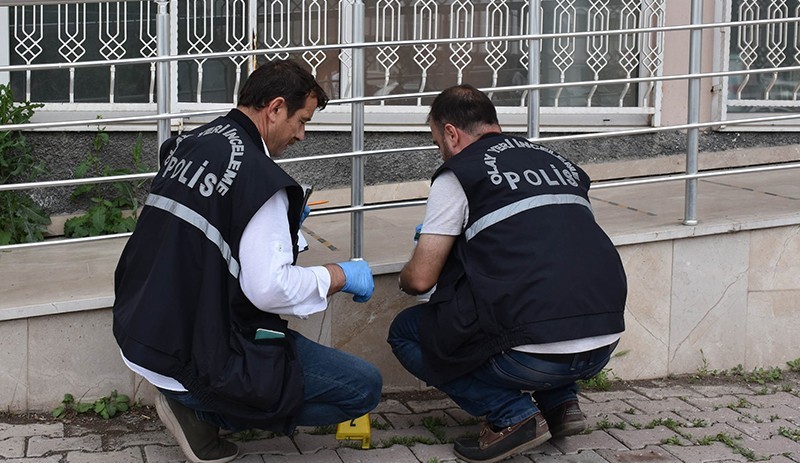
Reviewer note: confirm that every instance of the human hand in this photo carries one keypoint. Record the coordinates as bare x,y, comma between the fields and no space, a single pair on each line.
304,214
358,279
417,231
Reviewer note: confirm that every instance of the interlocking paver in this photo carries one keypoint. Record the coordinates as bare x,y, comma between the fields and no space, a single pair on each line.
606,396
664,392
119,442
384,438
770,413
438,452
606,408
641,438
709,417
716,452
13,447
461,416
763,430
628,426
391,406
49,459
39,446
587,456
417,419
313,443
670,403
642,421
323,456
592,441
775,445
776,399
712,403
279,445
162,454
718,390
17,430
651,454
132,455
394,454
420,406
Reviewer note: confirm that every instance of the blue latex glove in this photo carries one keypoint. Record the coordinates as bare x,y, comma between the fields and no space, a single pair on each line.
417,231
304,214
358,279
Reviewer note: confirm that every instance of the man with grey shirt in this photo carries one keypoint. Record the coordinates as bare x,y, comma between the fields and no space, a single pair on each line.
530,291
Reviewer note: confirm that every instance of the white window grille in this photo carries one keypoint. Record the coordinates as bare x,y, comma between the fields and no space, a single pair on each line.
751,47
73,32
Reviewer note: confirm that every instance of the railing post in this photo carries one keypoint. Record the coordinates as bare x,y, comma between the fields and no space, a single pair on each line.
534,69
163,70
357,118
693,114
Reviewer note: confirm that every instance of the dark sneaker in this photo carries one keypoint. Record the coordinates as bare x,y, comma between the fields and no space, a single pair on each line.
199,441
493,446
566,420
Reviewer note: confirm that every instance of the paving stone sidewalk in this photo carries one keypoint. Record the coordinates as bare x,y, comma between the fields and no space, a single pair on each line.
668,420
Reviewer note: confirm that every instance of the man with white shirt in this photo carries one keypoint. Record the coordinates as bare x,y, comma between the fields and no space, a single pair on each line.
203,282
530,291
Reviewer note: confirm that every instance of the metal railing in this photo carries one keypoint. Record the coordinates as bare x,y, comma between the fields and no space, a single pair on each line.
357,46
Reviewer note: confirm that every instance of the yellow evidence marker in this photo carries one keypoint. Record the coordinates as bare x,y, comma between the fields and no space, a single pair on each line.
356,429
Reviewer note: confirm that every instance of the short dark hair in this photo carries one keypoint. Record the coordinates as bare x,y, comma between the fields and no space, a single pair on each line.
464,106
281,78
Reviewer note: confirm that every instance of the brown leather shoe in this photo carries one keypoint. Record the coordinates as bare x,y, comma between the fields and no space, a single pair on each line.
492,446
199,441
566,420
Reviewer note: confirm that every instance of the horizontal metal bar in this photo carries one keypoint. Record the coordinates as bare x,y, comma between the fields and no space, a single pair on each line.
57,242
325,157
699,175
422,202
77,181
339,46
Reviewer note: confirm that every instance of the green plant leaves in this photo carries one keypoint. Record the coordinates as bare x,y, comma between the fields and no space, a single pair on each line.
113,209
22,220
105,407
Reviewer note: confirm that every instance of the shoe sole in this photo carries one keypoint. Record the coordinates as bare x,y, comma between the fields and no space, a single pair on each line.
517,450
171,422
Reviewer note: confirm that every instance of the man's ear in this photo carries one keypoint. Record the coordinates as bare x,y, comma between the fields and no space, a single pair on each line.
274,106
450,136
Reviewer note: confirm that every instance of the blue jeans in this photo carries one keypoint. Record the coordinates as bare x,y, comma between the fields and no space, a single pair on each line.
337,387
501,388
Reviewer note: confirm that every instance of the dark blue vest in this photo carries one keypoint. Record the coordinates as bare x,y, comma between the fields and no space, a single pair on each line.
532,267
179,309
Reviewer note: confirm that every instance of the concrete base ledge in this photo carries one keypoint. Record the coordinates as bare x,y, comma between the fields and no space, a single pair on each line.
714,295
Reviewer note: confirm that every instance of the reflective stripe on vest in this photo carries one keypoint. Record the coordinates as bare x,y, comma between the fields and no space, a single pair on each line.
193,218
520,206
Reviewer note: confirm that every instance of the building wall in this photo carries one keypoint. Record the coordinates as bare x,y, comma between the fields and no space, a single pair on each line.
714,301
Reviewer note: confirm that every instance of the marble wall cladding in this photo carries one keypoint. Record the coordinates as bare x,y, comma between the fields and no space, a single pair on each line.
772,324
14,365
775,259
708,302
74,272
643,351
361,329
73,353
724,299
